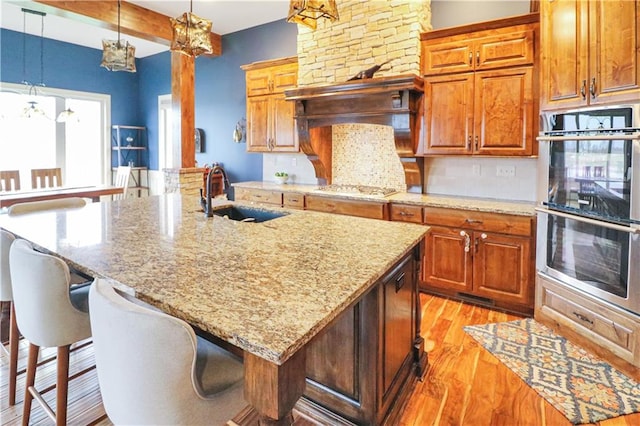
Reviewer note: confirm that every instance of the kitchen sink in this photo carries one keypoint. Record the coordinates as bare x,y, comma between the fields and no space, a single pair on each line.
248,214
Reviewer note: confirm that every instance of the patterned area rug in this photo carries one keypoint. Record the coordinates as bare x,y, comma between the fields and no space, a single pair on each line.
584,388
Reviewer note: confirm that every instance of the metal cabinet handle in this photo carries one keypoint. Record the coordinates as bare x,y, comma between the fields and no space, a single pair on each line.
469,142
472,221
592,88
583,89
467,241
478,58
583,318
406,214
476,140
400,282
470,59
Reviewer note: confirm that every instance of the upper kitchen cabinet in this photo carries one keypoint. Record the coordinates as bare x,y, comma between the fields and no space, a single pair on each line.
590,52
481,88
270,123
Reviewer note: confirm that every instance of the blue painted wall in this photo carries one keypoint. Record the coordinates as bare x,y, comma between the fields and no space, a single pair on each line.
220,94
220,86
72,67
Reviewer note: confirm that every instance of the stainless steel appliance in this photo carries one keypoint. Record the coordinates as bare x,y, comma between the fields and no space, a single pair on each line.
589,218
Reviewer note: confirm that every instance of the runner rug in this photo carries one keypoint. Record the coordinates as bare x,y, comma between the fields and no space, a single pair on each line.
584,388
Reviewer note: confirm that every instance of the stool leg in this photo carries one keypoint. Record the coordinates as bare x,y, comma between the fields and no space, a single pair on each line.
62,385
13,354
31,379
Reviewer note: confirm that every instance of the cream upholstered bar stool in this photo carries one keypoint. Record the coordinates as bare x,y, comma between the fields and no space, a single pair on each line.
152,369
6,295
48,314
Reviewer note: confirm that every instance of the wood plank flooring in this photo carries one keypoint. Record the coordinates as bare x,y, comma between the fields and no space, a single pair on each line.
465,384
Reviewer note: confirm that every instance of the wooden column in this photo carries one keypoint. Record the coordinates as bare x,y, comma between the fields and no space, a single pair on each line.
183,106
273,390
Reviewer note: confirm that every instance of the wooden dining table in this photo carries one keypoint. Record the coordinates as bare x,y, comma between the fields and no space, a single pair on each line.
94,192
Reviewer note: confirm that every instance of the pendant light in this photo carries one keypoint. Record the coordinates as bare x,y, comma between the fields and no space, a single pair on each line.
307,12
118,55
191,34
33,109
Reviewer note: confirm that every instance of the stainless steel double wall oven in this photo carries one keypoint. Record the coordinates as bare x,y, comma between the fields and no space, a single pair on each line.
589,219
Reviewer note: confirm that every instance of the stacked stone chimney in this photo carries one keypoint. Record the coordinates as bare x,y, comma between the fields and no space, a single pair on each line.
368,32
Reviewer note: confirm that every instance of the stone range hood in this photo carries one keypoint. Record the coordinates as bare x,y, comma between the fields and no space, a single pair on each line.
393,101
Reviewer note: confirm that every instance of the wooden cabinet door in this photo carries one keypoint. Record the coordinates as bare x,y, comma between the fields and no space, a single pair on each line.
285,134
447,263
443,58
258,82
502,268
504,112
507,48
284,77
564,39
258,125
614,33
448,114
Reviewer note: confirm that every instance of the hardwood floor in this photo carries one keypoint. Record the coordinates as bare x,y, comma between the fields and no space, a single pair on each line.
465,384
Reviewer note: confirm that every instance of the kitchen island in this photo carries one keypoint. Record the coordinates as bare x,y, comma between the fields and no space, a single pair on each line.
295,294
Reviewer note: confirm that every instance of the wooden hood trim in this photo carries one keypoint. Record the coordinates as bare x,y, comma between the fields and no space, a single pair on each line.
392,101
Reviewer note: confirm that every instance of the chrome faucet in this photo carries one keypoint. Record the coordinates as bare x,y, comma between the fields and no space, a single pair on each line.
208,211
206,203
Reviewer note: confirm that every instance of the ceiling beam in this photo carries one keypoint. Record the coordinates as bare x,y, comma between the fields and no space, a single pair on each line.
135,20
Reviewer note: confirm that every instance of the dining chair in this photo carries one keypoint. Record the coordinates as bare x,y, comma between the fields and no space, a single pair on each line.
46,178
35,206
9,180
122,181
48,314
6,295
153,369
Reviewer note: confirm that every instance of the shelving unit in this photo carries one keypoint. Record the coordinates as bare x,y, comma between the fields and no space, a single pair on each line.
129,148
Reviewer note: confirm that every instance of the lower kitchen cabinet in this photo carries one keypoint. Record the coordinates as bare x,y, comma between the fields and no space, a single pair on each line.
364,365
370,209
262,196
484,258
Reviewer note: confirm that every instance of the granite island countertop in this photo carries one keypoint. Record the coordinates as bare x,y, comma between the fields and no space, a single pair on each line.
490,205
267,288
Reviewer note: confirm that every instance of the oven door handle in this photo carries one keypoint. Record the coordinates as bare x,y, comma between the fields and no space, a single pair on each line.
589,221
609,136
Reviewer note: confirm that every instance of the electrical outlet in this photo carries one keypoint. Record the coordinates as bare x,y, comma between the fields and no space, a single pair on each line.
475,170
294,162
506,171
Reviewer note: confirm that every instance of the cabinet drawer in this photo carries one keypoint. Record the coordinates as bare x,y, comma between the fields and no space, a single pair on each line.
368,209
473,220
258,196
406,213
293,200
604,325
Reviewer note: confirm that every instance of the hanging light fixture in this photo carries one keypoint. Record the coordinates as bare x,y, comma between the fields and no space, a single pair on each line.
33,109
118,55
191,34
307,12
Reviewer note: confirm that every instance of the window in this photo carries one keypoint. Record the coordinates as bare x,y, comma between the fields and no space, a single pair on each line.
80,147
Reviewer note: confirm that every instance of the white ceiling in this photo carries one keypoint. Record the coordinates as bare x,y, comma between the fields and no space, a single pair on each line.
228,16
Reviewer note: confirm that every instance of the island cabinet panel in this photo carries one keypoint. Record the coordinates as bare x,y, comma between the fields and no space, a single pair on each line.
486,258
258,196
363,365
370,209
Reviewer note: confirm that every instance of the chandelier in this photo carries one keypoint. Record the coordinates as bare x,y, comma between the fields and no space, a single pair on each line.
118,55
191,34
307,12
